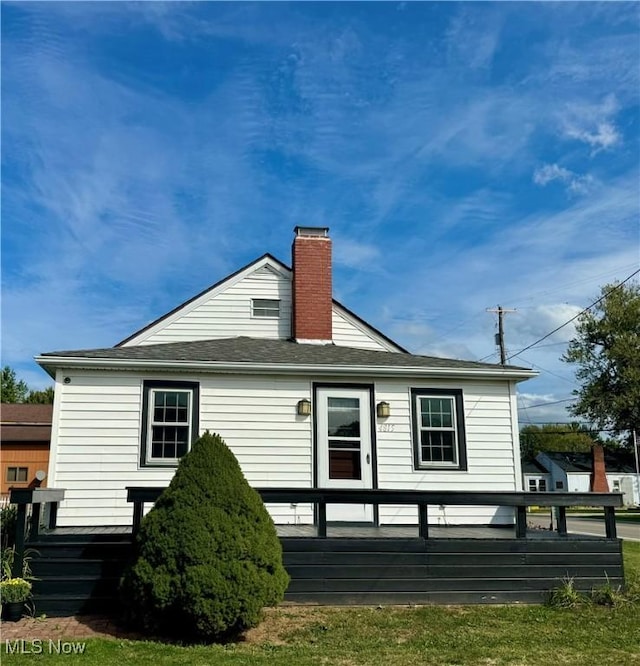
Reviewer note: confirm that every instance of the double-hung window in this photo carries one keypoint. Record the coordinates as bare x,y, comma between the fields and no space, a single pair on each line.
438,429
265,307
170,421
537,485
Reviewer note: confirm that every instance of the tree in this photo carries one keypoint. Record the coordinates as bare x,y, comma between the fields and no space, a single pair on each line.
208,558
606,350
556,437
44,397
13,389
16,390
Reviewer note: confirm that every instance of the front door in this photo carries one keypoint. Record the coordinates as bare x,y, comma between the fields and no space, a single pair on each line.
344,452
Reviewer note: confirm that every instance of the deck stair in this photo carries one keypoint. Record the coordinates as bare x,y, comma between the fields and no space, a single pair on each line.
77,573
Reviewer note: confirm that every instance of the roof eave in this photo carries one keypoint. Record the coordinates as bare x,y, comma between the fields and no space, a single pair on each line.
49,363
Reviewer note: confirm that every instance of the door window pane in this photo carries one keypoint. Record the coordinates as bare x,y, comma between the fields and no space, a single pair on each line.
343,417
344,464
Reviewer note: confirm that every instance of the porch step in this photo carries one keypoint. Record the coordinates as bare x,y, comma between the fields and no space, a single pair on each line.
46,567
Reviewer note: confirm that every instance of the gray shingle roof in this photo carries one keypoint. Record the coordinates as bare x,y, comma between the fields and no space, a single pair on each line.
260,351
533,467
569,461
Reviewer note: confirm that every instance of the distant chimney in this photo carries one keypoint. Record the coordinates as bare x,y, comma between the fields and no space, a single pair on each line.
599,482
312,293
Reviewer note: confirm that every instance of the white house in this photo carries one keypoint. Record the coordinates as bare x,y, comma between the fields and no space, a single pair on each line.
304,392
536,477
574,472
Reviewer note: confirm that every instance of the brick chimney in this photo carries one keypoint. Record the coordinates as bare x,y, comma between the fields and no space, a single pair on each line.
599,482
312,293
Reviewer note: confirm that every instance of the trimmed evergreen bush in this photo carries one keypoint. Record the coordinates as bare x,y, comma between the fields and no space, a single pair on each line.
207,556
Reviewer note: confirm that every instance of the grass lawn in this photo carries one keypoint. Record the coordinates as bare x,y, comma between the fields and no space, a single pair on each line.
487,635
628,517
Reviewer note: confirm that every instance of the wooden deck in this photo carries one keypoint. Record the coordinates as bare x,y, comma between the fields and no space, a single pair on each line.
78,569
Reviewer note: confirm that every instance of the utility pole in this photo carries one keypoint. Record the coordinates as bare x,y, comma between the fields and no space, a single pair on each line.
500,334
635,451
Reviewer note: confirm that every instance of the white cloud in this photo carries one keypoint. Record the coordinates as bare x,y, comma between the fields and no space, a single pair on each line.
592,123
575,183
604,136
473,37
355,254
533,408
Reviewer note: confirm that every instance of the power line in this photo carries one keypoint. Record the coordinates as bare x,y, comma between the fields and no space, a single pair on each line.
555,330
567,432
537,366
545,404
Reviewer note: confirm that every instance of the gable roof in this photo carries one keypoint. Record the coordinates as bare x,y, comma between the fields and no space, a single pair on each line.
25,423
243,354
582,462
533,466
270,261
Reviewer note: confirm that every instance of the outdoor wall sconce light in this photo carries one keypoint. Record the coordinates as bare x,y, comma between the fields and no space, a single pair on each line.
304,407
383,410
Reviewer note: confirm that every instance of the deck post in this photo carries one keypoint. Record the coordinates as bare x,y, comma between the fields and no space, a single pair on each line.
322,520
53,515
561,519
521,522
423,512
21,522
35,520
138,507
610,522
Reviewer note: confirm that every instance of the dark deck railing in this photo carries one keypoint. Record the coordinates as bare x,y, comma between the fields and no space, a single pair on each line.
36,498
320,497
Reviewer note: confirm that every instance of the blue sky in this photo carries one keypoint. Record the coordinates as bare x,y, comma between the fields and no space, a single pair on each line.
463,156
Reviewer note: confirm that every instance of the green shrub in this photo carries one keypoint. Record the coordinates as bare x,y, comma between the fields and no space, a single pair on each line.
207,556
8,519
609,595
7,557
566,595
14,590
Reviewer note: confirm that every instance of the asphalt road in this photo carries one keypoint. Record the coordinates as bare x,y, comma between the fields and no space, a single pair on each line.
591,526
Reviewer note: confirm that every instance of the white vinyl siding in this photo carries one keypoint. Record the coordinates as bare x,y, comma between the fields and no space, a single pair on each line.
489,448
96,444
98,440
228,314
348,332
228,311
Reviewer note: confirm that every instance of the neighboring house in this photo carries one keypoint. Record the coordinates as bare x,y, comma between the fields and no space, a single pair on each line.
304,392
535,476
574,472
25,434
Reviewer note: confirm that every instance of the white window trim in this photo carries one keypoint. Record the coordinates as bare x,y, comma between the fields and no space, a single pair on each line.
151,422
265,316
453,428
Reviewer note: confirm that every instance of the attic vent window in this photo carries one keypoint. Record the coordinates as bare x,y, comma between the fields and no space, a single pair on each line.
264,307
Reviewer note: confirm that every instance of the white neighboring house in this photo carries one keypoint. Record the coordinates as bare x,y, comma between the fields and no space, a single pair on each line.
536,477
572,472
244,359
